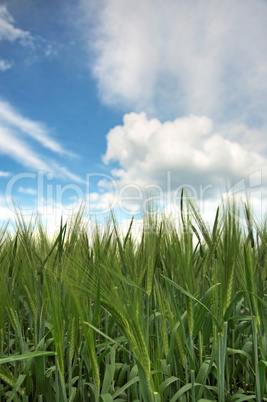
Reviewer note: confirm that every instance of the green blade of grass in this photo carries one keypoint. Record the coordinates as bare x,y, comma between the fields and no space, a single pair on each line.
26,356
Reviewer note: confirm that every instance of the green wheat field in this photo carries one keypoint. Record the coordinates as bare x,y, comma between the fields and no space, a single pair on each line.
178,315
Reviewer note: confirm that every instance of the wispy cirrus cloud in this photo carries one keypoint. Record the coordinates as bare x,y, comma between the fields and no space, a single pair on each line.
36,130
37,47
15,131
8,30
18,150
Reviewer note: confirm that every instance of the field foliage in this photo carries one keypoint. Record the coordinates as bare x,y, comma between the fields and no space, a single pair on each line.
179,315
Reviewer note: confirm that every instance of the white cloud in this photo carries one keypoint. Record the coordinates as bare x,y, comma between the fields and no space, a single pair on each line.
250,137
189,148
38,46
100,204
14,127
18,150
6,213
62,171
4,174
9,32
36,130
180,57
5,65
51,212
27,190
195,58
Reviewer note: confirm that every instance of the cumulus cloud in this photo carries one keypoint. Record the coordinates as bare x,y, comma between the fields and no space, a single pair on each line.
196,65
174,58
189,148
155,160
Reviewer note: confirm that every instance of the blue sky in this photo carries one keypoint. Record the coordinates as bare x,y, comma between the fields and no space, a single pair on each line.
108,101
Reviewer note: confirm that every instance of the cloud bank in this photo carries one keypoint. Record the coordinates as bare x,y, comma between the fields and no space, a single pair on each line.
200,68
172,58
189,147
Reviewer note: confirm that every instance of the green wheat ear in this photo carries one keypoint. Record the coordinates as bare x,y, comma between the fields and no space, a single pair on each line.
229,292
150,273
72,337
1,341
190,314
31,303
